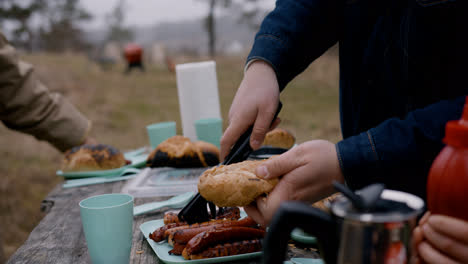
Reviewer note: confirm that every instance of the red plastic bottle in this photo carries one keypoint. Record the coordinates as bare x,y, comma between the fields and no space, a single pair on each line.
447,186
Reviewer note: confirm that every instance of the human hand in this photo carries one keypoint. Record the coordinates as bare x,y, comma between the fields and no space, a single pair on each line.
445,240
308,171
255,103
417,238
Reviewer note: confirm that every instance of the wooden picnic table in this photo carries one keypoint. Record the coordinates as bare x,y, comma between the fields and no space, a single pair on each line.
59,237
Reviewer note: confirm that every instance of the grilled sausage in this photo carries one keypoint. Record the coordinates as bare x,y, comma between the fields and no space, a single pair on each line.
177,249
227,249
228,213
176,235
171,217
196,225
222,235
158,234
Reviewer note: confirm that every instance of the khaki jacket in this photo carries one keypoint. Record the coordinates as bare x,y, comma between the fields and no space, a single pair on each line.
26,105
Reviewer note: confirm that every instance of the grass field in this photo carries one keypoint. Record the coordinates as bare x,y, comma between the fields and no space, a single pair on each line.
120,107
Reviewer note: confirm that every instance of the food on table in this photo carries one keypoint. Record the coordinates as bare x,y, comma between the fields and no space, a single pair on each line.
93,157
209,153
180,152
232,213
228,213
182,234
159,234
171,220
170,217
279,138
235,184
227,249
214,238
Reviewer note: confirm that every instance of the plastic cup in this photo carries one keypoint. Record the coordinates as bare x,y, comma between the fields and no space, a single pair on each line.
108,227
159,132
209,130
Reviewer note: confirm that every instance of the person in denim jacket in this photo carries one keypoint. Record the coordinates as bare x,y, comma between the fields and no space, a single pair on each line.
402,77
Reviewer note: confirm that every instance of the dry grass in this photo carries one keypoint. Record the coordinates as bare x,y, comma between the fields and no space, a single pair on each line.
121,106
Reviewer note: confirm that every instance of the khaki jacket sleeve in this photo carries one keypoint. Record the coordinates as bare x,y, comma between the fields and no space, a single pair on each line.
26,105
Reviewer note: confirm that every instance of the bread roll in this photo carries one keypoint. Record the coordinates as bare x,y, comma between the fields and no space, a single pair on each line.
234,185
180,152
279,138
209,153
93,157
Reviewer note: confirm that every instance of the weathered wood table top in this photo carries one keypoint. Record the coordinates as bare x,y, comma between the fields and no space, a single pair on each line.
59,237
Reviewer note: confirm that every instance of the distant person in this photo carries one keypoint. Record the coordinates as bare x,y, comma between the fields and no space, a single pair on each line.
26,105
170,64
134,57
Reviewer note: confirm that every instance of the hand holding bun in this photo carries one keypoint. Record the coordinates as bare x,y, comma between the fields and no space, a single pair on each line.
93,157
234,185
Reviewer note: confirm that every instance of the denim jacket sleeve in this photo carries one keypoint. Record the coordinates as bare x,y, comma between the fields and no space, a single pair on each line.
294,34
398,152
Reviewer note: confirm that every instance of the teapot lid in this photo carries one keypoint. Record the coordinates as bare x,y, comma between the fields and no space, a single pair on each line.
393,206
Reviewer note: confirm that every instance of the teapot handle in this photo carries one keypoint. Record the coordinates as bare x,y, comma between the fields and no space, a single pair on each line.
312,220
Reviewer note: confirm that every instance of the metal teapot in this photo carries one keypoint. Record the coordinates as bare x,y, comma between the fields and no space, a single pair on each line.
370,226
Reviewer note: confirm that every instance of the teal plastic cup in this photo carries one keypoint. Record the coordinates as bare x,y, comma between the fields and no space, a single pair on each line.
159,132
108,227
209,130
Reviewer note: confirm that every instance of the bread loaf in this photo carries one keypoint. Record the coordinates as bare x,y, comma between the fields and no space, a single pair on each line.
93,157
180,152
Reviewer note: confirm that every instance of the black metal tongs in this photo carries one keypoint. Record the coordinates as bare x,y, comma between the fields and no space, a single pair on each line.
196,210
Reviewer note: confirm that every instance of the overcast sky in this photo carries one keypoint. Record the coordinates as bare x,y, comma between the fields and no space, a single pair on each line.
150,12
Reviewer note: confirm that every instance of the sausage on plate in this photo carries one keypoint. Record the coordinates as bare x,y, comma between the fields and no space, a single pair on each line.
213,237
227,249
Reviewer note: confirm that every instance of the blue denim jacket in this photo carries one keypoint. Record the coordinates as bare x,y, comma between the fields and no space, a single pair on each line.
401,77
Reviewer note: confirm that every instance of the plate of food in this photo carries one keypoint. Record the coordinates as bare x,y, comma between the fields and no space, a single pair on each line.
227,238
99,161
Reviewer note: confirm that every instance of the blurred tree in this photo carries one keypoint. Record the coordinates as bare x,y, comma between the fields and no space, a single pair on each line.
247,10
210,27
19,13
116,24
61,26
251,13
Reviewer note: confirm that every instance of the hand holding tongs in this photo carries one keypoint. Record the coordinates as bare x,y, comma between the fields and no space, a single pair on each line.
196,210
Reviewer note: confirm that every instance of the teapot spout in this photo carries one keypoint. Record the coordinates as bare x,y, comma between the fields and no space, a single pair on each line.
312,220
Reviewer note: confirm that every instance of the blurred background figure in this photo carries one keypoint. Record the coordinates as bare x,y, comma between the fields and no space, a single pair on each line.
134,56
170,64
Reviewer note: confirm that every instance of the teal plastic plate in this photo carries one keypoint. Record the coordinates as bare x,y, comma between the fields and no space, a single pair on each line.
306,261
300,236
162,248
137,162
